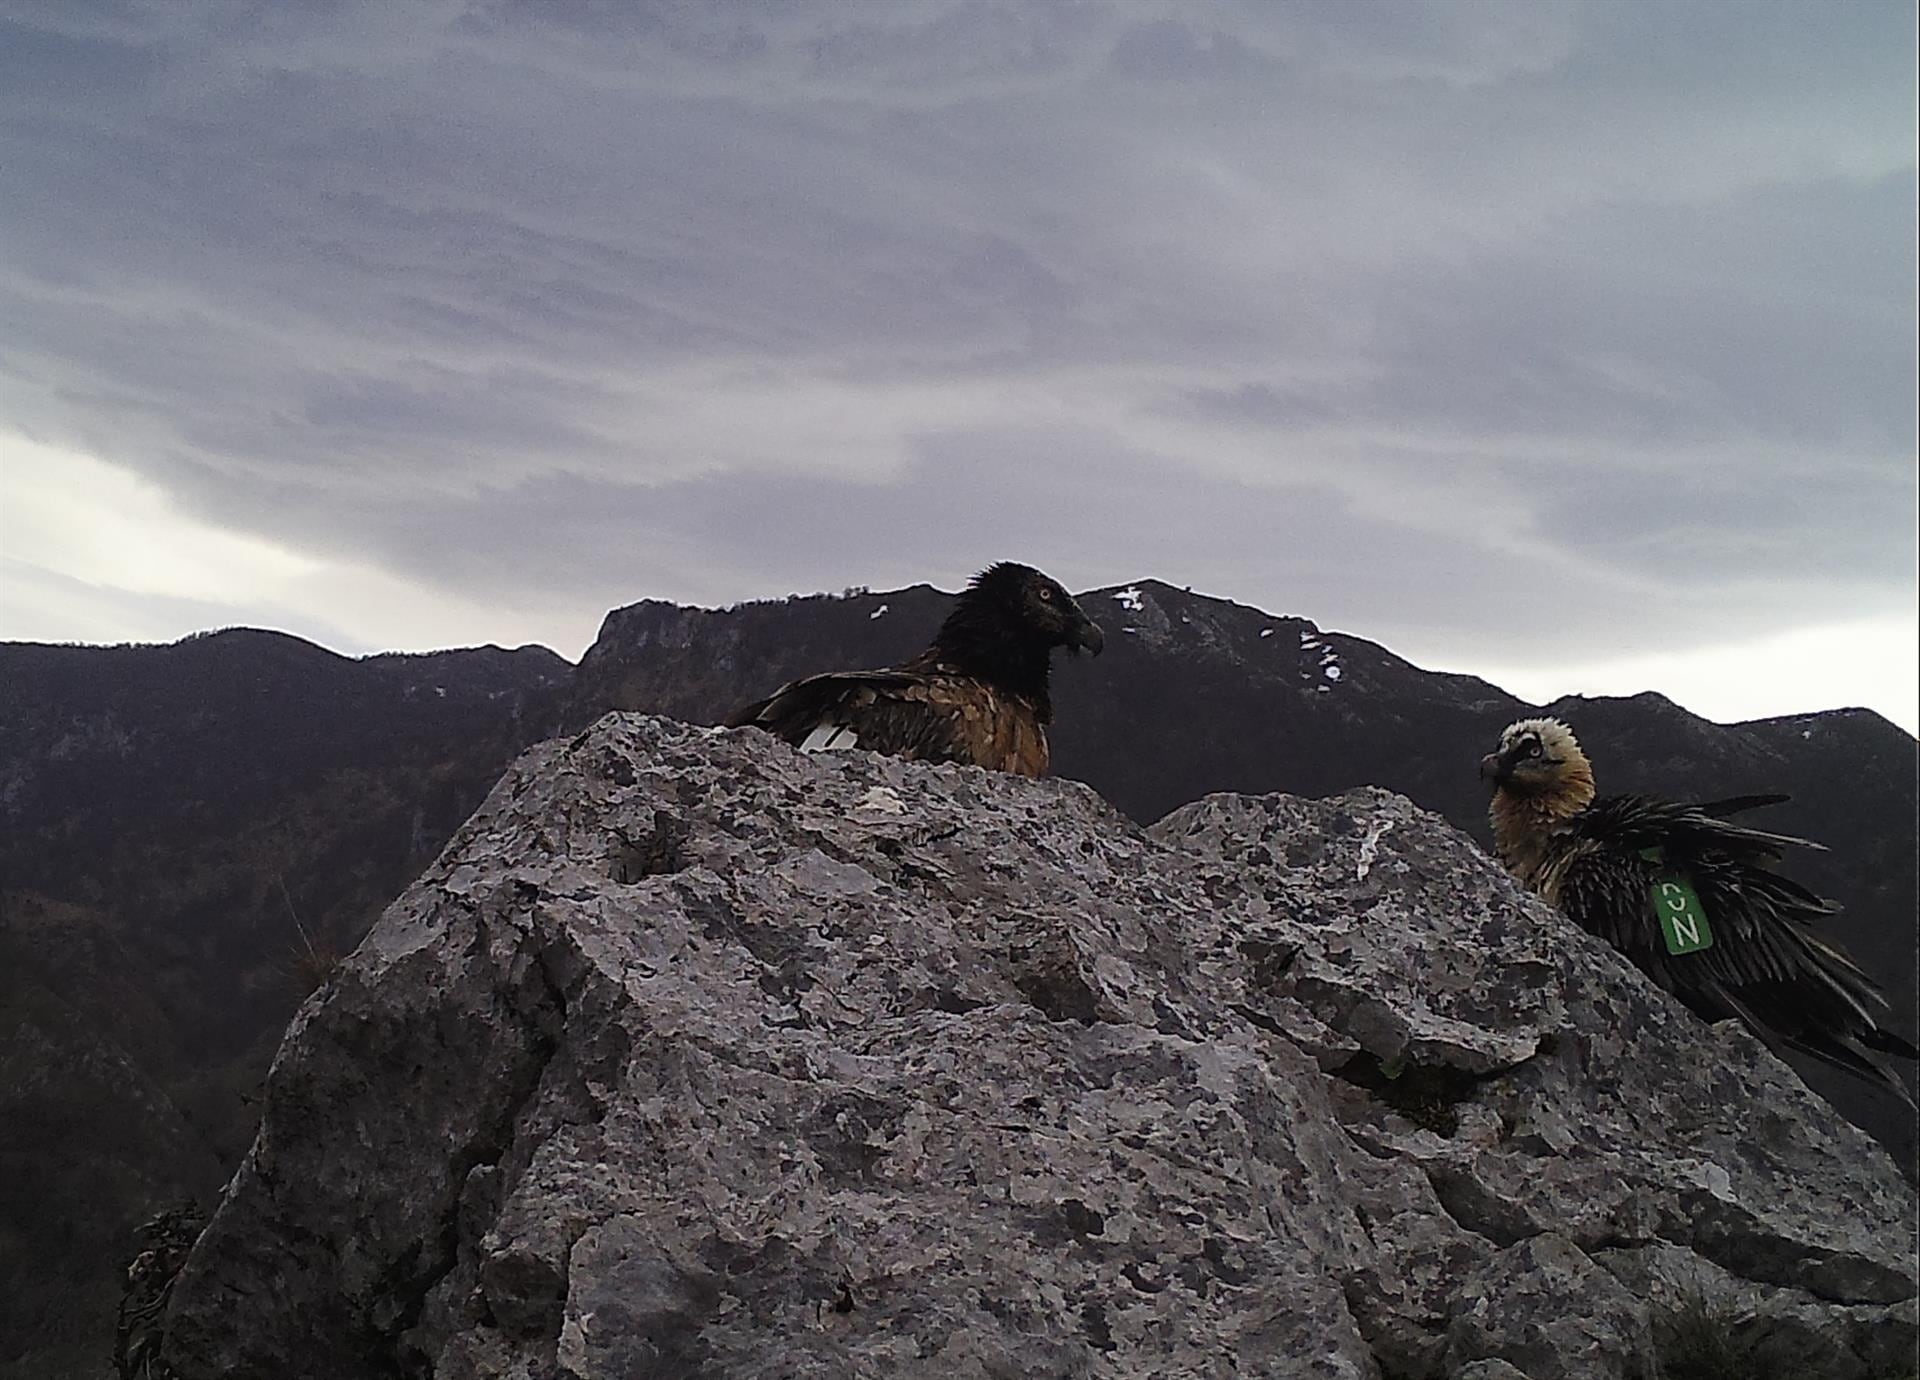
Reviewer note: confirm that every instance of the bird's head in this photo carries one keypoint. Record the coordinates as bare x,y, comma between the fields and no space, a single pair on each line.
1031,607
1539,757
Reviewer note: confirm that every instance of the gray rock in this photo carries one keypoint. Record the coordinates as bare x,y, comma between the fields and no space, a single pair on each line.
1489,1370
692,1056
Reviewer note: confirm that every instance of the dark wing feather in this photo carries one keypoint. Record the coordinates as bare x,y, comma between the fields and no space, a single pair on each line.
799,705
902,713
1768,965
1736,804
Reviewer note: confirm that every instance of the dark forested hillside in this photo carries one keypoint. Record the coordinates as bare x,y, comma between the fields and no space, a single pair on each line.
190,832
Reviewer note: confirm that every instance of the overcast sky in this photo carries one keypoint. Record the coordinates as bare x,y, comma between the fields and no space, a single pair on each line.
1571,344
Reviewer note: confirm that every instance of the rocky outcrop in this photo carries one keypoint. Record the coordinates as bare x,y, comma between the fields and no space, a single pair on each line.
692,1056
185,829
1196,695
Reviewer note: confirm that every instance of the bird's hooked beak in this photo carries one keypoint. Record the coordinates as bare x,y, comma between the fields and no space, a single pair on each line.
1086,634
1493,768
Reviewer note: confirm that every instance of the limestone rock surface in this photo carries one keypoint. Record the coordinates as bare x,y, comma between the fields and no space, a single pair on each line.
692,1056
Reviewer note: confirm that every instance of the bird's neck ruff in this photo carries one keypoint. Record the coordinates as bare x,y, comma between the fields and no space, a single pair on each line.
977,640
1524,820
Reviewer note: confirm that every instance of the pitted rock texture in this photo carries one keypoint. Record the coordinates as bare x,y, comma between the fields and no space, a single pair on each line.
692,1056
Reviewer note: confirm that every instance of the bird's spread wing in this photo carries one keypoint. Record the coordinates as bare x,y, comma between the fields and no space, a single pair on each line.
928,716
1767,964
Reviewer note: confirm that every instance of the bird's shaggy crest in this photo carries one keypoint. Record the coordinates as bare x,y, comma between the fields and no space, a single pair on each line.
1543,778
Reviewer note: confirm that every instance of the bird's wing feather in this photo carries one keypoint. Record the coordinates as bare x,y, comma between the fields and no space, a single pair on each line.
1685,831
1767,965
929,716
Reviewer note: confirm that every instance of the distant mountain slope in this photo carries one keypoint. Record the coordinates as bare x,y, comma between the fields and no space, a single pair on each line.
87,1136
95,740
1193,694
174,819
165,815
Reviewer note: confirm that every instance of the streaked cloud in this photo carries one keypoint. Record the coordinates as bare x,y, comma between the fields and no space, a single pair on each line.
1532,336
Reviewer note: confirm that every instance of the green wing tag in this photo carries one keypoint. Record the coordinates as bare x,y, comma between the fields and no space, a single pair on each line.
1683,920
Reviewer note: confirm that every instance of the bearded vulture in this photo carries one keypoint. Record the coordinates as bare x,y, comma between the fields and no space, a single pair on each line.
976,696
1691,898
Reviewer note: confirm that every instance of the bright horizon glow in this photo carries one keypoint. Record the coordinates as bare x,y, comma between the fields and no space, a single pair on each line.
90,552
1872,663
108,558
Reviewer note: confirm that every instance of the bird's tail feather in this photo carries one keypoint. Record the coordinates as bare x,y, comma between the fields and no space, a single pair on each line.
1841,1051
1847,1056
1890,1042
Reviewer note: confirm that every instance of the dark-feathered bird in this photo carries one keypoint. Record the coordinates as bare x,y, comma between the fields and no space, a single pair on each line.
977,695
1639,872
